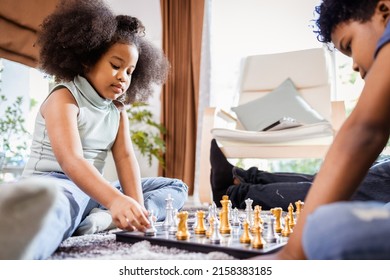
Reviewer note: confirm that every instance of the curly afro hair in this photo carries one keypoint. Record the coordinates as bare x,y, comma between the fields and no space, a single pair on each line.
76,35
333,12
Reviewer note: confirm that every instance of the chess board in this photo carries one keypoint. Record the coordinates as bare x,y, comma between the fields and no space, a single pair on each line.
229,243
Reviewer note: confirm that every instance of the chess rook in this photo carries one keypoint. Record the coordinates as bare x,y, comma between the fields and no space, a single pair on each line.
182,228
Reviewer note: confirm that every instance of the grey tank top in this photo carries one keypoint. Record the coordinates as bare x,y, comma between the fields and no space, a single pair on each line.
98,123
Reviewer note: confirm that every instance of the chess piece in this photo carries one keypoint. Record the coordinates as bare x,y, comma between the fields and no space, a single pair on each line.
225,224
230,210
210,230
291,215
277,212
235,218
257,241
182,228
215,237
257,221
270,235
169,218
173,227
212,212
287,228
249,210
299,207
151,231
200,228
258,207
245,236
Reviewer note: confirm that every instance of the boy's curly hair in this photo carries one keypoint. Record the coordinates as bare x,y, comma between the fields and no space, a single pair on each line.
76,35
333,12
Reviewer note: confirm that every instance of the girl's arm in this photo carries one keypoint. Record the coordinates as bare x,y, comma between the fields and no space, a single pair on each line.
60,113
125,161
357,145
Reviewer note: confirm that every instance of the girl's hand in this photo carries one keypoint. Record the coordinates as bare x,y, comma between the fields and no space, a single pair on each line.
128,214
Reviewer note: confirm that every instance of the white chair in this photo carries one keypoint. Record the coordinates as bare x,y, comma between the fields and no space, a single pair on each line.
310,72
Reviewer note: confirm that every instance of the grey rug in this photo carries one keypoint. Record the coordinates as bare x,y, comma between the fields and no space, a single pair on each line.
104,246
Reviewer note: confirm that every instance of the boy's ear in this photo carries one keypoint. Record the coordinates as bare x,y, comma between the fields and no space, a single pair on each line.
383,8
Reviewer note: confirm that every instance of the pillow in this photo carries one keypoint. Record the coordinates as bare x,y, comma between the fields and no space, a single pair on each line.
284,102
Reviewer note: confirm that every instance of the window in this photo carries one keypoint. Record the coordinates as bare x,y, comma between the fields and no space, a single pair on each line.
248,27
30,86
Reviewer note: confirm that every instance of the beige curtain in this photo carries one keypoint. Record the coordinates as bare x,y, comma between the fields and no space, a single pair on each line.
182,39
19,23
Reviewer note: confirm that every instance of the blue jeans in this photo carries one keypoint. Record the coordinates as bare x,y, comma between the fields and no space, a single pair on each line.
73,205
348,230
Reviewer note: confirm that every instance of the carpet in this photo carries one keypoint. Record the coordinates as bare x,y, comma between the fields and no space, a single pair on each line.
104,246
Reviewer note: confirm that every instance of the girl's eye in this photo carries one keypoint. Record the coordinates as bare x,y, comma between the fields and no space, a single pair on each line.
348,48
114,66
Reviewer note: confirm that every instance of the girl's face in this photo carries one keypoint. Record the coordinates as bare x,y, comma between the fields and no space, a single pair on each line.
111,75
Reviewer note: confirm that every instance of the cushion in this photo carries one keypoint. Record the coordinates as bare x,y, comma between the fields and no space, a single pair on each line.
322,131
284,102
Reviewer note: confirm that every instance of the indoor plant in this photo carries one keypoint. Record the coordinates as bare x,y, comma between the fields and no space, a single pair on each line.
146,133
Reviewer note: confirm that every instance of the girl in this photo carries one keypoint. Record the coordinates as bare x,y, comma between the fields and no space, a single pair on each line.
101,63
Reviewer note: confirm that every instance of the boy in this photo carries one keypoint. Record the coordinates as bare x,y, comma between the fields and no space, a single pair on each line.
329,228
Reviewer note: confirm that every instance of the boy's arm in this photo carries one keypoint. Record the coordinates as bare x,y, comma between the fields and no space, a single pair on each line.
355,148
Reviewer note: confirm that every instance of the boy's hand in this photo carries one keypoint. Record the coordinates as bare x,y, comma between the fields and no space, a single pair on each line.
128,214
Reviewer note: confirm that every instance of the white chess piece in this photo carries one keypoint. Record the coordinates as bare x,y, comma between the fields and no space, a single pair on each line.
169,217
152,231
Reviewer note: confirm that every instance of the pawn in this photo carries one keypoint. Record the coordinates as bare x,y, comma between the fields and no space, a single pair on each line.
257,241
200,228
245,236
151,231
182,228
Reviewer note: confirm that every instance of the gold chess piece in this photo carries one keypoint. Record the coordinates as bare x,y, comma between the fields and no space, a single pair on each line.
200,228
277,212
299,207
210,230
291,215
245,237
182,228
257,221
287,228
257,241
225,227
